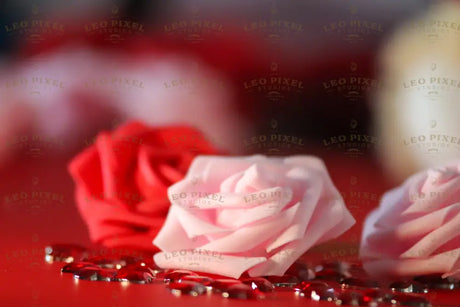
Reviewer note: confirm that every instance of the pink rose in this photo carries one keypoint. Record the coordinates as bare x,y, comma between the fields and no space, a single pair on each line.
416,229
256,213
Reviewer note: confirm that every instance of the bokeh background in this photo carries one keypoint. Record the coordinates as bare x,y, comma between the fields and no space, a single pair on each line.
369,86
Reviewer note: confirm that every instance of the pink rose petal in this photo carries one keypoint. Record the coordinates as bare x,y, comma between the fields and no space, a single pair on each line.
246,238
259,213
416,229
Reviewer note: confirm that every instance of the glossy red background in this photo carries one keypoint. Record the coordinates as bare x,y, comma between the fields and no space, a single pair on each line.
28,226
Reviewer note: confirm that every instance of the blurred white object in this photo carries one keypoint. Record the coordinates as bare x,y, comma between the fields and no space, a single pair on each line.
418,108
65,95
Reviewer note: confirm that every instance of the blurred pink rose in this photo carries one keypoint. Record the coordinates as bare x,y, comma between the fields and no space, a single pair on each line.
232,214
71,93
416,229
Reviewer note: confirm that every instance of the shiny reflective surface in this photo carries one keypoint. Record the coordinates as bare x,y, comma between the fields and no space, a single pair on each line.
338,282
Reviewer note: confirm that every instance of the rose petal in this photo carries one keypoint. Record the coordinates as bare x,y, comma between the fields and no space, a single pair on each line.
122,180
391,205
410,267
428,244
297,230
416,228
229,184
246,238
172,229
212,173
151,182
257,177
273,208
193,225
235,218
395,240
338,221
308,162
186,196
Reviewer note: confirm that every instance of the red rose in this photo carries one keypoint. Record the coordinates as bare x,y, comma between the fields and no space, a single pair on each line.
122,180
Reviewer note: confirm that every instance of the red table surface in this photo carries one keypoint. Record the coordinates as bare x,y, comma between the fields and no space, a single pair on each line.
27,225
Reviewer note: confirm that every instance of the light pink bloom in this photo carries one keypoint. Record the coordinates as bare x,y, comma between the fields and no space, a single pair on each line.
256,213
416,229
